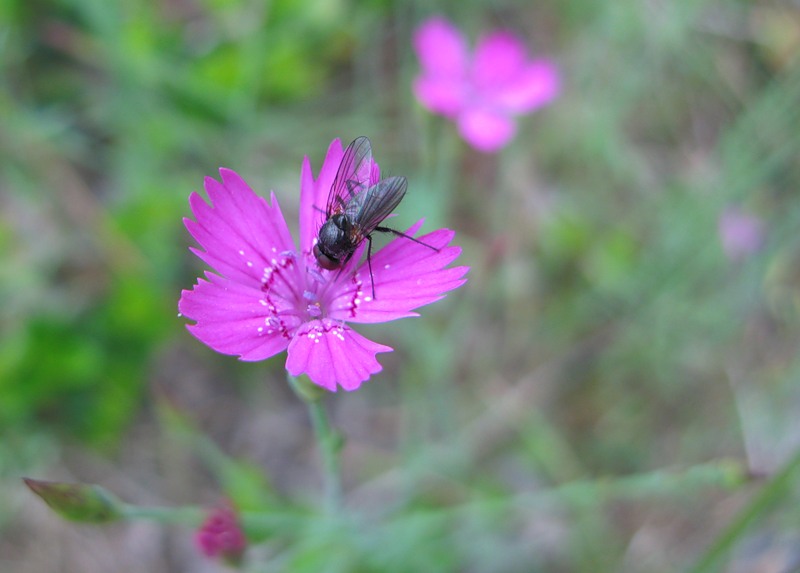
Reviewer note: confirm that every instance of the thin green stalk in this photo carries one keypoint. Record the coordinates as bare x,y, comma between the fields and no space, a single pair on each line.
772,492
188,516
329,444
255,523
329,441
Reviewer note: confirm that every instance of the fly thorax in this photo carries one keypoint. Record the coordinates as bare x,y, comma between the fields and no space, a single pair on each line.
333,238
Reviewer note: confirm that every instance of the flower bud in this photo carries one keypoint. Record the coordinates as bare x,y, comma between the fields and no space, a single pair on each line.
221,535
76,501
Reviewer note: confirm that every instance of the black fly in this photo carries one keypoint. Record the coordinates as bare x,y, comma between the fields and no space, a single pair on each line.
356,209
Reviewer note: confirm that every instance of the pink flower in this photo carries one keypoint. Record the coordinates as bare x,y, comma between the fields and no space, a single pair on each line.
740,233
268,296
482,93
221,535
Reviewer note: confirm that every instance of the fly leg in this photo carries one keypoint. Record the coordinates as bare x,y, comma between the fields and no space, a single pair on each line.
369,264
397,233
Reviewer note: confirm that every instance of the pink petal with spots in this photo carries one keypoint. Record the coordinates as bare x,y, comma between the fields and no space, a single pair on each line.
229,319
243,238
332,354
407,275
314,193
240,232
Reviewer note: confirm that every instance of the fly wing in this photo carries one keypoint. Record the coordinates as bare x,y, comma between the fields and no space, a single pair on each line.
352,177
378,203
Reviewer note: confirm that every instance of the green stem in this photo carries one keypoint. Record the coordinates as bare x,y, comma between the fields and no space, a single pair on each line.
772,492
257,524
188,516
329,441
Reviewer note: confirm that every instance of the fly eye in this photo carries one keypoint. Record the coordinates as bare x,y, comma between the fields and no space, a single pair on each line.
324,260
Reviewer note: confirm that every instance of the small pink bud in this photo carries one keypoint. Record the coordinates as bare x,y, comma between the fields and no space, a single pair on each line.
221,535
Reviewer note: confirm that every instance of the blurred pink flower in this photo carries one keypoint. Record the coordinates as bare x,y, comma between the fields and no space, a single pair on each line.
482,92
268,296
220,535
740,233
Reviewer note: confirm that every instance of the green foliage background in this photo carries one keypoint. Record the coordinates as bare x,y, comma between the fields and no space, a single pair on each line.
603,334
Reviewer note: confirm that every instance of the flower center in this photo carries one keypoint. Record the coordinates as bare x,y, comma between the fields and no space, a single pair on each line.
313,304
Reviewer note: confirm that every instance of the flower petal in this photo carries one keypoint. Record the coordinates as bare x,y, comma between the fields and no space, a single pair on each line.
741,233
406,274
314,193
486,130
499,58
240,232
230,319
332,354
445,96
535,86
441,48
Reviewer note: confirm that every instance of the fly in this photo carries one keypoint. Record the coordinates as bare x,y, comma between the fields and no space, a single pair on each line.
356,209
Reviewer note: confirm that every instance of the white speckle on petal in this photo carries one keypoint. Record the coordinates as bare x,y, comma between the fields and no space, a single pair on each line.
241,253
386,266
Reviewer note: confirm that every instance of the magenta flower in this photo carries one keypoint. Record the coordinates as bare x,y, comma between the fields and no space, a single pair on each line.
220,535
485,92
268,296
740,233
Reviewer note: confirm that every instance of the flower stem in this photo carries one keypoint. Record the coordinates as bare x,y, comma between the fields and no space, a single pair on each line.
188,516
329,441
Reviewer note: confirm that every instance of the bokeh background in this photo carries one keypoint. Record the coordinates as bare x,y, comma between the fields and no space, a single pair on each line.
612,390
